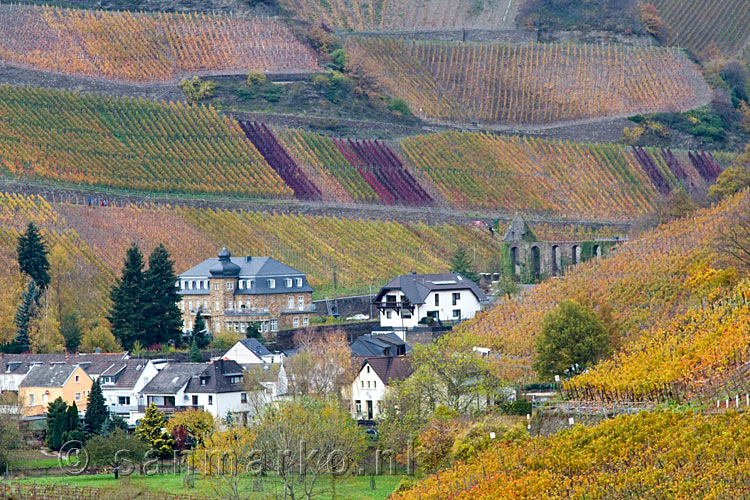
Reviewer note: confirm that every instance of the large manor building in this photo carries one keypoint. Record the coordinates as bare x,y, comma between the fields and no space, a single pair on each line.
232,293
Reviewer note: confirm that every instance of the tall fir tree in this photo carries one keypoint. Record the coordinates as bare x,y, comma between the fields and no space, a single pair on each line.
57,423
74,420
25,313
200,334
461,264
162,318
126,315
96,410
32,256
195,353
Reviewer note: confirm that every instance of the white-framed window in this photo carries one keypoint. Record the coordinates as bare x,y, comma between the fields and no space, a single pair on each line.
290,302
205,303
358,406
274,325
265,326
301,302
241,284
190,284
210,400
217,286
305,321
457,313
250,284
190,305
388,314
295,322
78,396
205,284
183,284
182,305
456,297
299,282
288,282
240,304
31,400
271,283
243,397
217,305
229,304
230,285
374,384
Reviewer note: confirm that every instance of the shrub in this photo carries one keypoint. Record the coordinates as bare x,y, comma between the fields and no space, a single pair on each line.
196,89
399,106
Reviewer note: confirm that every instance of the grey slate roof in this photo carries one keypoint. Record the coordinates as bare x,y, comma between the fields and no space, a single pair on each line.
173,377
126,373
48,375
255,347
369,345
216,376
91,362
390,369
260,269
416,287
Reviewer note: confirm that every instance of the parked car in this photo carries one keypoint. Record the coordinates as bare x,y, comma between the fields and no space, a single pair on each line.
358,317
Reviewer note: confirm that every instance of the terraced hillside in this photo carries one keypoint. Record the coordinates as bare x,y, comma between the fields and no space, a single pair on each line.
129,144
507,173
368,15
645,285
698,25
141,47
528,84
664,454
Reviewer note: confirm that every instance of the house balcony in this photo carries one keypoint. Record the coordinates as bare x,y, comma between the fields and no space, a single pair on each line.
247,312
305,309
388,305
170,408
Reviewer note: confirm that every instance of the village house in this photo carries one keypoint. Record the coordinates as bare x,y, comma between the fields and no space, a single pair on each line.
371,384
45,383
15,367
251,352
413,298
122,382
233,293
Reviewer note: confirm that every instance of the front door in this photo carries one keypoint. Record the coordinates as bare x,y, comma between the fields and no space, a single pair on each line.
369,410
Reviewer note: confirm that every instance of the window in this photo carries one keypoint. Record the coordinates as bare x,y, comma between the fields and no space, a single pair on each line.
358,406
406,314
456,297
390,298
195,400
242,284
388,314
251,284
240,304
368,384
78,396
217,286
243,397
290,302
190,305
437,299
205,284
265,326
78,378
374,384
235,379
305,321
230,286
123,400
31,400
295,322
299,282
205,303
274,325
217,305
271,283
210,400
190,284
368,368
203,381
182,305
457,313
183,284
301,302
288,282
229,304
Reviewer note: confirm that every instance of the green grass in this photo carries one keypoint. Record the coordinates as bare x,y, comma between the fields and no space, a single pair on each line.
347,487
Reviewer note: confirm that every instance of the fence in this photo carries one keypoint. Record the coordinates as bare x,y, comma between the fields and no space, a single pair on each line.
65,492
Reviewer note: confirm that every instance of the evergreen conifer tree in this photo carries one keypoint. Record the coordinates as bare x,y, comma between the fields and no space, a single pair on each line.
26,312
57,423
199,334
74,421
96,411
162,318
461,264
126,315
32,256
195,353
151,430
71,331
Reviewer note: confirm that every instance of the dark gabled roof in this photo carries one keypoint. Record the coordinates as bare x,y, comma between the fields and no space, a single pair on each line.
255,347
390,369
216,376
48,375
369,345
173,377
416,287
260,269
91,362
126,373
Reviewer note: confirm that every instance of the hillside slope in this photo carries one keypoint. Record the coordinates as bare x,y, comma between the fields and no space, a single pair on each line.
644,285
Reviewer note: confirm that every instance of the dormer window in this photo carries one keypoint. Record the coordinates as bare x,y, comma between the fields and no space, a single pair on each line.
203,380
288,282
235,379
271,283
241,285
299,282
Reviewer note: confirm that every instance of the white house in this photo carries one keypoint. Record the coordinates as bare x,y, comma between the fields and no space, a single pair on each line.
407,299
167,390
15,367
371,384
122,383
251,352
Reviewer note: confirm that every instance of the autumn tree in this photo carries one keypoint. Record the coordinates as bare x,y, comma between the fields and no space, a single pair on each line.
572,339
99,338
225,459
197,423
10,429
321,366
733,240
151,430
734,178
118,450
